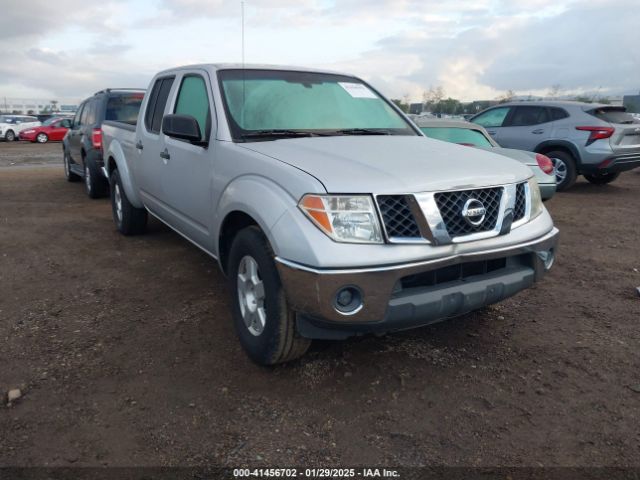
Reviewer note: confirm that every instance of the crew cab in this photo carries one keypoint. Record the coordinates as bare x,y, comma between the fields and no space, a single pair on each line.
327,209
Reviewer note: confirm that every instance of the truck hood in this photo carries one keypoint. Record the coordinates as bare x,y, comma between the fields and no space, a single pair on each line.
392,164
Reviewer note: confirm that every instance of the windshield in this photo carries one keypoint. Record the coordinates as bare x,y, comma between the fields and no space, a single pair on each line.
270,104
465,136
49,121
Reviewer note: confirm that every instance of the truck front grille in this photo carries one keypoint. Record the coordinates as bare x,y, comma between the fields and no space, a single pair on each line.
398,220
451,204
520,208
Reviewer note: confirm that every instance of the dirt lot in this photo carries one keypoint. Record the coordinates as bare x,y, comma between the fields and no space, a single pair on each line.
125,353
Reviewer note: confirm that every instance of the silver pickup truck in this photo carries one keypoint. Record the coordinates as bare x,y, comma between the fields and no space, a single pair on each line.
327,209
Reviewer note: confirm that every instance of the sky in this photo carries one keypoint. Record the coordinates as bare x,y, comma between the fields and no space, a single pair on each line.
473,49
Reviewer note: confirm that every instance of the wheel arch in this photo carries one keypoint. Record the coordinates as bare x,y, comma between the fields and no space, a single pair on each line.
249,200
116,160
566,146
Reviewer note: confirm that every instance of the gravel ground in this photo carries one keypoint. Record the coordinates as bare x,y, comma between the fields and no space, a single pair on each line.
124,352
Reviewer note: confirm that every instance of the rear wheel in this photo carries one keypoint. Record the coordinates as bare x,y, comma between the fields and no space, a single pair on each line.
70,176
95,184
10,136
129,220
42,138
263,321
564,166
602,178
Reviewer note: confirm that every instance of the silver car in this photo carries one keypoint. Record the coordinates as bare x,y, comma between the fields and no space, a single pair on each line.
594,140
470,134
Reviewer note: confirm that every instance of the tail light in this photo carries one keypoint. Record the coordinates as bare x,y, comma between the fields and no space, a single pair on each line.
96,138
545,163
597,133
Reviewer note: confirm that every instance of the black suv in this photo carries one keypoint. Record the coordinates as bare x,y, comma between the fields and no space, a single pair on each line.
82,145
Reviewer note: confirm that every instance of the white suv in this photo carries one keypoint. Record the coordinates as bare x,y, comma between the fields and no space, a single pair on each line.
12,125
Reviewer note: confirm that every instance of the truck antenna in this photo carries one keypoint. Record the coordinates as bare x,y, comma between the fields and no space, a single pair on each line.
243,73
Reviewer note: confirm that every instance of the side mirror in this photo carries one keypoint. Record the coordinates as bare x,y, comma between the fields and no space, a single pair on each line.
182,127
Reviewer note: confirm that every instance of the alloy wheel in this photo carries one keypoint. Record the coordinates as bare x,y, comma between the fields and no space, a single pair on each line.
560,169
251,295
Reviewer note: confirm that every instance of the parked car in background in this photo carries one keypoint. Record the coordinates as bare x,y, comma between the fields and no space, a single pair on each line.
12,125
594,140
470,134
52,130
82,145
327,209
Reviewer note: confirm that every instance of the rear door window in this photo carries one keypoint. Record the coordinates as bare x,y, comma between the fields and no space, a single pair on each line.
558,113
612,115
193,100
157,103
492,118
525,116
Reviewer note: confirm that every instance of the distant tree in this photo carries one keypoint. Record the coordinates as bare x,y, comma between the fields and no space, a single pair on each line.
404,106
449,106
554,91
30,112
507,96
583,98
54,105
433,97
604,100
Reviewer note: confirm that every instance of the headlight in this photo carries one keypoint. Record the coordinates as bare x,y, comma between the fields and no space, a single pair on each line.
29,131
536,198
344,218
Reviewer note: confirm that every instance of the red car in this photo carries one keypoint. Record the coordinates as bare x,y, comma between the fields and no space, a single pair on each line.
53,129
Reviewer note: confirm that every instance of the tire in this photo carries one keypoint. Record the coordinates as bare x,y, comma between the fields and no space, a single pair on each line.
129,220
69,175
10,136
263,321
565,169
42,138
602,178
94,183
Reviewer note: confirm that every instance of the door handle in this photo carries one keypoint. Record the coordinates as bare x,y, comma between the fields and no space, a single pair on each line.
139,145
165,154
538,131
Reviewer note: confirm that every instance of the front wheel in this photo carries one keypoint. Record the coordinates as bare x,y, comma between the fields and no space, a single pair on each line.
129,220
42,138
263,321
69,175
602,178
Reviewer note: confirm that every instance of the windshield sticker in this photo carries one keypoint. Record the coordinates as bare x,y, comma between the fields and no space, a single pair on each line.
357,90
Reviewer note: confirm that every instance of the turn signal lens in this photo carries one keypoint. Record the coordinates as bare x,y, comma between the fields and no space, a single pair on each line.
344,218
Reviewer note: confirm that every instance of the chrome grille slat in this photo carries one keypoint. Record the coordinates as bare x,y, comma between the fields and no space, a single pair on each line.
520,208
398,220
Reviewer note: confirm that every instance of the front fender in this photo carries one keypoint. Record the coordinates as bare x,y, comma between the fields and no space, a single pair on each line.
116,159
262,199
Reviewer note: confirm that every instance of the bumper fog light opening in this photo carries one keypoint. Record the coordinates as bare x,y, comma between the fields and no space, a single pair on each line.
548,258
348,300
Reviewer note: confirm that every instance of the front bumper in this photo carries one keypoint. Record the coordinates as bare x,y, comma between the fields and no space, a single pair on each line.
27,137
394,297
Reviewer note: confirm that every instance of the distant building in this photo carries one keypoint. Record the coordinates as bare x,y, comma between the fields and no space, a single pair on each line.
632,103
416,108
34,106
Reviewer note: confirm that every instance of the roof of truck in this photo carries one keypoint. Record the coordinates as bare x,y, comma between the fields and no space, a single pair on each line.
253,66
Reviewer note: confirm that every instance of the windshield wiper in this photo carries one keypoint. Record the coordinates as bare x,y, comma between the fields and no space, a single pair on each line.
362,131
277,134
